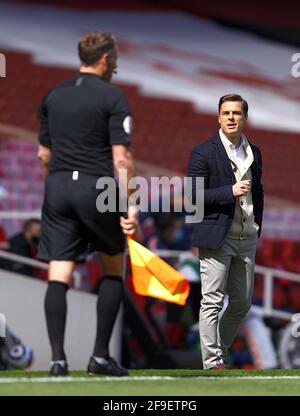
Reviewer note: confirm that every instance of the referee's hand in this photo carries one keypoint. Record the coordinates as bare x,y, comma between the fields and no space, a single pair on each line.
130,224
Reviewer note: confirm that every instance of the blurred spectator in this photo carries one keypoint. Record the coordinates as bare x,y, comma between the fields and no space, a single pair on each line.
25,244
165,228
171,233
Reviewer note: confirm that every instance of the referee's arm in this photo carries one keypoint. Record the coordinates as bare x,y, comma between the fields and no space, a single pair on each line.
120,128
44,151
123,159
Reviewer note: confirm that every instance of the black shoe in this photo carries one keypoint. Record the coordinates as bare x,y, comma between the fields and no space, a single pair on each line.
58,369
107,367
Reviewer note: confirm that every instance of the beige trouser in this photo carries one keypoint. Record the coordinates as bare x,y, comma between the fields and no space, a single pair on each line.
227,270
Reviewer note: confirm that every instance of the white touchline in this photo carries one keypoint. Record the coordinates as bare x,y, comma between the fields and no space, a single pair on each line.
8,380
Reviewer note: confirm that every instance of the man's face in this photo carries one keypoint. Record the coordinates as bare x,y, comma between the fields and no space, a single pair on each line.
33,233
110,65
231,118
36,230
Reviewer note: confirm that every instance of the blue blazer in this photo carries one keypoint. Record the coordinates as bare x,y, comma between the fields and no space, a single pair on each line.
210,161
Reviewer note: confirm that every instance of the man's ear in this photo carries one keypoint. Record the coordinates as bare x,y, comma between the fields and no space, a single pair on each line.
104,58
219,120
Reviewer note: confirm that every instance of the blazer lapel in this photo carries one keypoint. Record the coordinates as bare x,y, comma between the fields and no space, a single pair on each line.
254,165
222,152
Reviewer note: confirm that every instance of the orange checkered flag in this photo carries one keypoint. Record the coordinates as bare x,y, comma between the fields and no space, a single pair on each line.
153,277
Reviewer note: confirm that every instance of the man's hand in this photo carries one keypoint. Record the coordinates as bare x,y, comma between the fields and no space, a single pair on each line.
130,225
241,188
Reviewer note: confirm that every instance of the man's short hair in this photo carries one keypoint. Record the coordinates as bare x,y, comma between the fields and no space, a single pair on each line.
234,97
93,45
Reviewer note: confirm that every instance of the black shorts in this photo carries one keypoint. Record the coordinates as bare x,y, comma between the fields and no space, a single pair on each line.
72,227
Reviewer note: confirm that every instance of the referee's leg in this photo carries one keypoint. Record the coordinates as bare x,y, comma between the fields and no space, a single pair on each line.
60,276
109,299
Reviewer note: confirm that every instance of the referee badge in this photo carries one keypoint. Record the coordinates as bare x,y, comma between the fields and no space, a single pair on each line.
127,124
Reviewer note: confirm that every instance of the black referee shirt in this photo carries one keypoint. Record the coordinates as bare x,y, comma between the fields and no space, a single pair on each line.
79,120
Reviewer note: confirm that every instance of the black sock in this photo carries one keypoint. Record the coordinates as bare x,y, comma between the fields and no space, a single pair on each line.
109,299
56,312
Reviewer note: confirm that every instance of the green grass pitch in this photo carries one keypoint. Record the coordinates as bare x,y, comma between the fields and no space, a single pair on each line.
154,383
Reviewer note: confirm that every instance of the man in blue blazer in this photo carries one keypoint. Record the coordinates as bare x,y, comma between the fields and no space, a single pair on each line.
227,235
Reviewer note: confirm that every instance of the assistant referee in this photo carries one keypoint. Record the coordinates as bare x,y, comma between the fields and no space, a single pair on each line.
85,126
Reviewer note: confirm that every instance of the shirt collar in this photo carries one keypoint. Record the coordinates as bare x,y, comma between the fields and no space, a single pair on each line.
231,145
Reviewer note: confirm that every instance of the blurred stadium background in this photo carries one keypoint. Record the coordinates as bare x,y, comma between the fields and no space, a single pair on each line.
176,59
